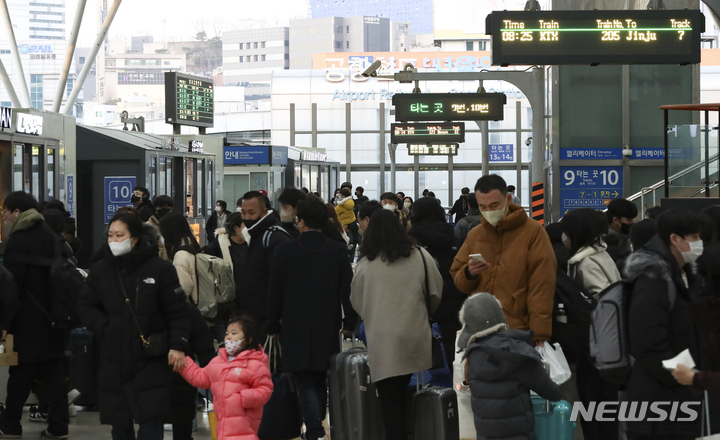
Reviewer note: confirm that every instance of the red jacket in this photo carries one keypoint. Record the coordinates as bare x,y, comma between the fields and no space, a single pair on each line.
240,389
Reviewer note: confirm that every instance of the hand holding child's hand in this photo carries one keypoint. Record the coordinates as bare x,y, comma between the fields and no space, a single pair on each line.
177,360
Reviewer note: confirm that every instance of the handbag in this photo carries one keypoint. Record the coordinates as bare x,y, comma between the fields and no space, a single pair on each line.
438,360
154,345
281,417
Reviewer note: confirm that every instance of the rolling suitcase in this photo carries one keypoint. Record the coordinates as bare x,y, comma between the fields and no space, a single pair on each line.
436,414
84,367
552,419
354,405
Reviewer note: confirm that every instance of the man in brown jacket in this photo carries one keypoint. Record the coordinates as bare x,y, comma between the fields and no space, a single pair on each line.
519,263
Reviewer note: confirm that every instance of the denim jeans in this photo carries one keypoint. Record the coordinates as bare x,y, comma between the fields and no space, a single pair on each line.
148,431
312,395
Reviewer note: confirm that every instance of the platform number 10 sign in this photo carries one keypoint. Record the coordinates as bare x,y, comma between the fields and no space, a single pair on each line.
608,177
118,192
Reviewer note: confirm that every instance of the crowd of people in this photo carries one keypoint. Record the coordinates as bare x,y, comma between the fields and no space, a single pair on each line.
296,280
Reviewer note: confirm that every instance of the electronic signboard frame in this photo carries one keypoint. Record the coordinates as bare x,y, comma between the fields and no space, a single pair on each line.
595,37
446,107
427,132
171,102
433,149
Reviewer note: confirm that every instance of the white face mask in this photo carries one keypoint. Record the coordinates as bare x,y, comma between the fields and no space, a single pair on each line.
218,209
120,248
246,235
389,207
408,205
566,241
494,217
233,347
162,240
696,250
286,216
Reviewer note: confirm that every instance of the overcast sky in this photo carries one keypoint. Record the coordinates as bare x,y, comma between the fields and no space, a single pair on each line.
183,18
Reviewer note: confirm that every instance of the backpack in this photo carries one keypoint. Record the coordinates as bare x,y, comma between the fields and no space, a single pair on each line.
65,280
268,234
575,304
215,284
609,338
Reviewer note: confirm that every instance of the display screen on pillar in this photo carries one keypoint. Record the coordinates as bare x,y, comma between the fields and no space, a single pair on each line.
595,37
449,106
433,149
416,132
189,100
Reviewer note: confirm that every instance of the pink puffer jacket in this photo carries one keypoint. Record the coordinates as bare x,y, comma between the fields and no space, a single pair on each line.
240,389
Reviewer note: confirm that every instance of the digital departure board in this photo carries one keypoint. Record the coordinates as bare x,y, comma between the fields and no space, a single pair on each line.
449,106
414,132
433,149
189,100
595,37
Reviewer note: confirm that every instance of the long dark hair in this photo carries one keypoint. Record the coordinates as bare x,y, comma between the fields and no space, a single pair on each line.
582,227
427,210
333,216
385,238
176,231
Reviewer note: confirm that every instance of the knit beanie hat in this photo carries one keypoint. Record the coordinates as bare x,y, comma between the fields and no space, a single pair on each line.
481,315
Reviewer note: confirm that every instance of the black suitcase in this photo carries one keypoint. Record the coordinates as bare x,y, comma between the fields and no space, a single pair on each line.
84,366
436,414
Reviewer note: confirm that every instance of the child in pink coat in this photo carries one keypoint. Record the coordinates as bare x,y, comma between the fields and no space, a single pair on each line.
239,379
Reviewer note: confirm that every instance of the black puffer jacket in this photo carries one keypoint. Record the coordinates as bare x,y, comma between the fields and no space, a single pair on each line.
658,332
502,369
130,383
438,238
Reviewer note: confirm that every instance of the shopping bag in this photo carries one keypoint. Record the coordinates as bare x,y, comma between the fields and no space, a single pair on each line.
212,420
281,414
555,358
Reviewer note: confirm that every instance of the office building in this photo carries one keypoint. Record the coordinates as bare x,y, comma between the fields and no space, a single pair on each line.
136,74
250,56
138,43
419,13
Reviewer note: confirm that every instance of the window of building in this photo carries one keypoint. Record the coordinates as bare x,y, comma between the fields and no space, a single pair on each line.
256,58
241,46
249,45
167,63
483,45
36,91
141,78
469,45
247,59
338,29
348,29
82,60
70,84
262,45
45,29
338,45
262,57
347,45
98,114
240,59
46,37
255,45
3,51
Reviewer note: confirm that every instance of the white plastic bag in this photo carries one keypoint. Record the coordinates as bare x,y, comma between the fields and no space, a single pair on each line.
553,355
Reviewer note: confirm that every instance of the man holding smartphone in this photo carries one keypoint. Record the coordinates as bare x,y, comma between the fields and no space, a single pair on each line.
509,256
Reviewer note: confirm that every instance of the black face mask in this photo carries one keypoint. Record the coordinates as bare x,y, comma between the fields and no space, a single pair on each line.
163,212
250,223
625,228
134,199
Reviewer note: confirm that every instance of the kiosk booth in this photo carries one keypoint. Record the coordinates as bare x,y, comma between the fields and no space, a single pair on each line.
112,162
37,155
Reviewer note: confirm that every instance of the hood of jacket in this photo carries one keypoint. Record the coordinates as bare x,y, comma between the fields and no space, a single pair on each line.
655,261
263,224
473,212
587,251
26,220
515,218
480,315
345,200
221,231
243,355
506,351
433,235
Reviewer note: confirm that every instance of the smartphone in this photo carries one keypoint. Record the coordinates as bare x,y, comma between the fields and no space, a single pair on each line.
477,257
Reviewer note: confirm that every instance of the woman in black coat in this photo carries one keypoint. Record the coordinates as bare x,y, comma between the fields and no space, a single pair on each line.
431,231
132,294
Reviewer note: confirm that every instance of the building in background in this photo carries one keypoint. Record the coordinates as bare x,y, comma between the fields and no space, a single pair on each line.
344,34
250,56
419,13
137,74
138,43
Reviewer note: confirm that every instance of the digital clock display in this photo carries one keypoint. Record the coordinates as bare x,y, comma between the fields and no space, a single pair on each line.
427,132
189,100
433,149
596,37
449,106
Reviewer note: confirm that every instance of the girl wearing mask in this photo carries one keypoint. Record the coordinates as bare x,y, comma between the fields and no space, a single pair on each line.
238,377
336,198
408,203
181,247
132,296
217,220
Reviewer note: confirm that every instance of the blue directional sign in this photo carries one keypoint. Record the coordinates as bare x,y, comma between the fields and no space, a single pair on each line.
677,153
589,187
246,155
70,195
118,191
502,153
590,153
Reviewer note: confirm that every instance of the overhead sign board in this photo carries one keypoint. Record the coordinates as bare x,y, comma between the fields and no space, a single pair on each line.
416,132
196,146
501,153
449,106
589,187
118,192
433,149
246,155
29,124
590,153
595,37
189,100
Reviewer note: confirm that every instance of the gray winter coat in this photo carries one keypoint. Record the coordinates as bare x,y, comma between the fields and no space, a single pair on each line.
502,369
463,226
593,267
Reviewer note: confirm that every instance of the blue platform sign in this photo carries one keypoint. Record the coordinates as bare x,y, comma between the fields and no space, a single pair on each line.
502,153
70,195
590,153
118,191
589,187
246,155
677,153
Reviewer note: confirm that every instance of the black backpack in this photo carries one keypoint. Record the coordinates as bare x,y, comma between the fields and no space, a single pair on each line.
65,281
578,305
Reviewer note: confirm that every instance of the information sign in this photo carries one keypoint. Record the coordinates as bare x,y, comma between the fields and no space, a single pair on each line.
433,149
71,195
449,106
589,187
590,153
416,132
246,155
118,191
502,153
189,100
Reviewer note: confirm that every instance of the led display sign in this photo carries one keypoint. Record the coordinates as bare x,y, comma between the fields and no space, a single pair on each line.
595,37
189,100
433,149
449,106
415,132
